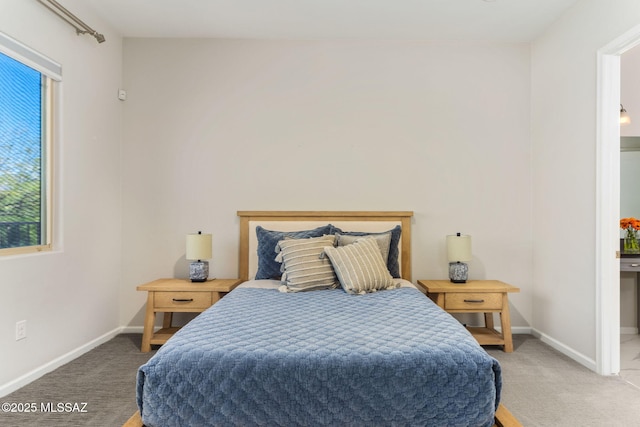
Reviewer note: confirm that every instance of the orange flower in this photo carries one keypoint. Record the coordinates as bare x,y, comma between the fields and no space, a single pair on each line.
626,223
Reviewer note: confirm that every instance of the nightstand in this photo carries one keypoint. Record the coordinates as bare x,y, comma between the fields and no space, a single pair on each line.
476,296
178,295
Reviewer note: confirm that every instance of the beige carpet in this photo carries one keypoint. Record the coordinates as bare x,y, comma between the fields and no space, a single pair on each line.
104,378
630,359
545,388
541,388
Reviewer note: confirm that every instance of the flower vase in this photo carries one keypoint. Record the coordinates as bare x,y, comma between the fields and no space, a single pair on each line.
631,242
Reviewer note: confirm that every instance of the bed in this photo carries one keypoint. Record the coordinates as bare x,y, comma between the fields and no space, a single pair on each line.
269,354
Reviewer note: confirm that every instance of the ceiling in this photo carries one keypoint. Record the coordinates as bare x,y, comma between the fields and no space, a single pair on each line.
486,20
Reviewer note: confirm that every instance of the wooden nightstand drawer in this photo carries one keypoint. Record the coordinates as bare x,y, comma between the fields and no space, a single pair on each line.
182,300
473,301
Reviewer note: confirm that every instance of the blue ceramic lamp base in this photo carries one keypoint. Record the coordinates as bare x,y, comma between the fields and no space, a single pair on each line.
199,271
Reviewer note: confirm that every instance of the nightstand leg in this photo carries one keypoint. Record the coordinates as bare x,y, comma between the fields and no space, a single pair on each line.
167,320
505,322
149,320
488,320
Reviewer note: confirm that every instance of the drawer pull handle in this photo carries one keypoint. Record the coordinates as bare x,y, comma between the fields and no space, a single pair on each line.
183,300
635,265
474,300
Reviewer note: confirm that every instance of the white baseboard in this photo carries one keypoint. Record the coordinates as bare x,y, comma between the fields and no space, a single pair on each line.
132,330
517,330
628,330
33,375
567,351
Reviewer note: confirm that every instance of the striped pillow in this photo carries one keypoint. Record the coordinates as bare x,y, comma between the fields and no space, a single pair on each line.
268,268
393,263
360,267
382,239
304,266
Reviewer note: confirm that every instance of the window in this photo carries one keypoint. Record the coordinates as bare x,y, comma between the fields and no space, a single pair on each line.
26,111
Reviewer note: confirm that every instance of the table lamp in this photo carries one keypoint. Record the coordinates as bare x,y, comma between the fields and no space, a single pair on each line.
458,252
199,249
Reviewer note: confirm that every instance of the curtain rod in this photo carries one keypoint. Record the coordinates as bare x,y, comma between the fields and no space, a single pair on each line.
71,19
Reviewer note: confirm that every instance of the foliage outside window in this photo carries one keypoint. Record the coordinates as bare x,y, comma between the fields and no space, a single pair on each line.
25,112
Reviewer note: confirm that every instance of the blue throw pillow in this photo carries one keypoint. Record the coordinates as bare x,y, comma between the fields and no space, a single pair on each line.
393,263
268,267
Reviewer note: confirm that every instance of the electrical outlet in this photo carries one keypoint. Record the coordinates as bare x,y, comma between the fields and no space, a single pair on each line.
21,330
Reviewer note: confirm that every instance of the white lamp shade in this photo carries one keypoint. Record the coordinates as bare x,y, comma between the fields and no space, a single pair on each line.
459,248
624,117
199,246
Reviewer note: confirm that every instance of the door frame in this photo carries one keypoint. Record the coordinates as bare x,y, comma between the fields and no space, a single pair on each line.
608,202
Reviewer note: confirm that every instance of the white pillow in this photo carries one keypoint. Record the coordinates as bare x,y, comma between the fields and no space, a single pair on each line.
360,267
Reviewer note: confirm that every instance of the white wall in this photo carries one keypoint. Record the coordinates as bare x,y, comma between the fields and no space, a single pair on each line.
69,297
216,126
564,169
630,90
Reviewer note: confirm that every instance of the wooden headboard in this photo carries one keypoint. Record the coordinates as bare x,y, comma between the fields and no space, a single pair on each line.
248,220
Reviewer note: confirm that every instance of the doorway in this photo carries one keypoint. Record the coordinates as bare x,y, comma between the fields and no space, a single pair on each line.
608,203
630,207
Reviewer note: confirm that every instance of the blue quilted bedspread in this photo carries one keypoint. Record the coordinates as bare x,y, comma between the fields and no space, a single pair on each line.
260,357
